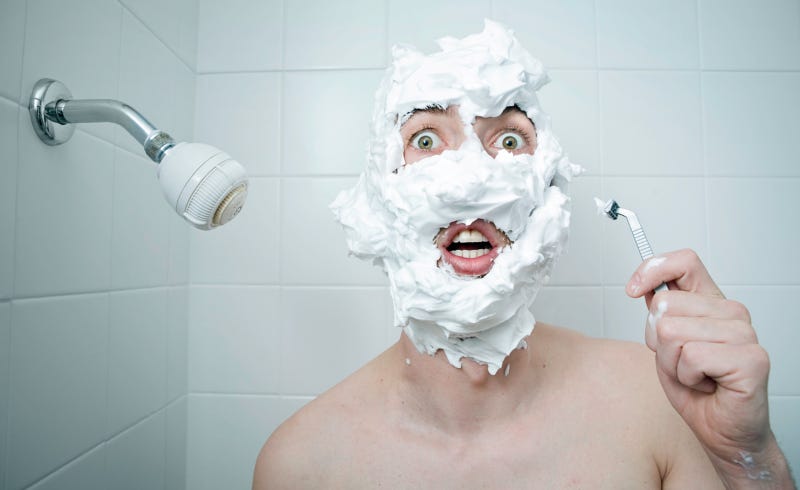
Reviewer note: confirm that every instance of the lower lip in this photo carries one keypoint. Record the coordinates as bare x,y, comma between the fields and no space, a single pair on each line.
477,266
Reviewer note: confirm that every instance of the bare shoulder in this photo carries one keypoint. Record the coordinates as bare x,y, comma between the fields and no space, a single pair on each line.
312,444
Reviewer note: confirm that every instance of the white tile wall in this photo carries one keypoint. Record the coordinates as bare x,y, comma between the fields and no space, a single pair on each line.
239,35
176,425
562,34
12,35
324,111
743,35
234,339
420,23
57,398
783,412
137,344
241,113
651,123
87,472
555,305
5,352
751,123
582,263
647,34
177,346
322,34
135,459
320,346
223,454
173,22
9,117
623,317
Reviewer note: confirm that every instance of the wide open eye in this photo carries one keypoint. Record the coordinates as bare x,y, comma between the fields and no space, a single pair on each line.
510,141
426,140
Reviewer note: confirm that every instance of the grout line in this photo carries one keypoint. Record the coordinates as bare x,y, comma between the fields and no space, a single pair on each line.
153,33
277,396
549,68
703,134
90,292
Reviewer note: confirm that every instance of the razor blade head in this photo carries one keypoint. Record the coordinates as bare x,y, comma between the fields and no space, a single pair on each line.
611,209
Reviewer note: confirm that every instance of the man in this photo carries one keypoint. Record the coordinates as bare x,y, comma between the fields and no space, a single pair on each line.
464,204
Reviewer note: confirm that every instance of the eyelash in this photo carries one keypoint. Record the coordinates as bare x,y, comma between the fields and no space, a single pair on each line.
416,133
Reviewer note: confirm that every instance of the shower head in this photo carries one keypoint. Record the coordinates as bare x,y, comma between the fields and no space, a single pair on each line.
201,183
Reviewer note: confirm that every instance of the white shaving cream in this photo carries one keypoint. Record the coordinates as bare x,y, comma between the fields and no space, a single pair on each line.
394,212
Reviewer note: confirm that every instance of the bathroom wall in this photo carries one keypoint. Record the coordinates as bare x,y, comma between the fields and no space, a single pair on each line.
94,266
683,111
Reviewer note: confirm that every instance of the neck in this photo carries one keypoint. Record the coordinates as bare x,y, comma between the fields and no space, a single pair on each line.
467,399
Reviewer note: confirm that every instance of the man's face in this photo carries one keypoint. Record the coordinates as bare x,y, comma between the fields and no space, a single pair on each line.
469,249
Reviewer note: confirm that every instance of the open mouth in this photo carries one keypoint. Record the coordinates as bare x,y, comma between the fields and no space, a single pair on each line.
471,249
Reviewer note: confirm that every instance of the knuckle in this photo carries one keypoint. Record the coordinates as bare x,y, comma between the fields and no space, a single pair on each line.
760,359
667,330
739,310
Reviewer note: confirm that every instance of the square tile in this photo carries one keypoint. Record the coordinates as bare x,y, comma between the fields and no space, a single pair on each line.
179,256
624,318
304,209
456,18
320,34
582,262
322,345
241,114
176,425
651,123
64,200
783,412
181,123
87,472
88,64
173,22
576,308
244,251
12,35
57,398
136,458
326,121
10,116
177,342
775,326
741,35
137,348
239,35
5,353
561,34
647,34
746,244
751,123
572,101
234,339
140,231
226,434
671,211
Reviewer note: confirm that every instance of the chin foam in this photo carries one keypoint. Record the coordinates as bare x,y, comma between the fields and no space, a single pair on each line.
394,211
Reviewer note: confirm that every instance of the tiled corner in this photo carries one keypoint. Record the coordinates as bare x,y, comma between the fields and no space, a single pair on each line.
244,251
226,434
176,428
561,34
57,397
624,318
234,339
751,123
88,64
647,34
775,326
321,34
783,412
322,345
9,118
64,200
177,342
327,128
571,99
140,231
136,458
651,123
137,344
582,261
174,22
305,258
671,211
87,472
241,114
556,306
5,353
239,35
753,237
457,18
744,35
12,35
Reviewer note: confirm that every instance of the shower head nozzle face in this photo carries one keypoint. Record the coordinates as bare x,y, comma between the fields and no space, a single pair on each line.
203,184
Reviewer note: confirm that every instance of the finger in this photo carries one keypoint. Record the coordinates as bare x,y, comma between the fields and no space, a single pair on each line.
742,369
683,269
682,303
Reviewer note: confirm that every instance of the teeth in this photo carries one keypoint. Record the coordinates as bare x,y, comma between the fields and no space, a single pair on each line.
470,236
470,254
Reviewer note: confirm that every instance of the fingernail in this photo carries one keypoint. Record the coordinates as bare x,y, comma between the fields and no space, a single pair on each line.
633,286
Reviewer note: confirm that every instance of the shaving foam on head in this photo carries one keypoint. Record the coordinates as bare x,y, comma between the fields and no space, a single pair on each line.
394,212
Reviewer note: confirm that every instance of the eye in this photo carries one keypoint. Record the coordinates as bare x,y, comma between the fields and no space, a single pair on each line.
509,141
426,140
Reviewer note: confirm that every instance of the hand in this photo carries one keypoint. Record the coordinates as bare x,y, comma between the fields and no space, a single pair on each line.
711,366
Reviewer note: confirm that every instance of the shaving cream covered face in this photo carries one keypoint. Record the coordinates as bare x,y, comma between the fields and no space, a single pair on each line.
394,213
